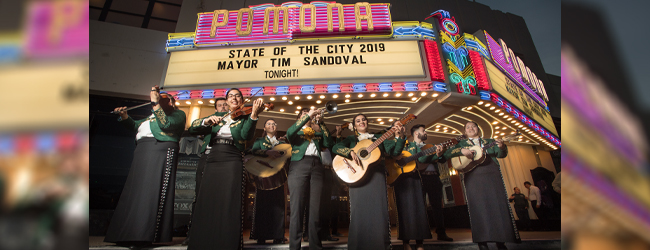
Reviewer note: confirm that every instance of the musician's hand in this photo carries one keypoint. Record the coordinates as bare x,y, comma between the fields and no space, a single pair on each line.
439,150
355,158
467,153
312,113
538,206
247,158
500,143
119,111
258,107
155,93
399,130
283,138
273,154
212,120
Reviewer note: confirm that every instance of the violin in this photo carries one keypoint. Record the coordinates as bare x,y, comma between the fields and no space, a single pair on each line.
246,110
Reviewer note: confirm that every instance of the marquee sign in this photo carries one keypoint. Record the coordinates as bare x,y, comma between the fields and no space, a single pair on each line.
515,68
276,65
292,20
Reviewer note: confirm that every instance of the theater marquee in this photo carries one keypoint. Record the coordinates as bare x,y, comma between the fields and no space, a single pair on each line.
279,64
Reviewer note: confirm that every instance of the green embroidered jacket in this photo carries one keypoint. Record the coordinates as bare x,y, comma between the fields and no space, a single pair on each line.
390,147
242,130
299,145
261,145
494,151
163,127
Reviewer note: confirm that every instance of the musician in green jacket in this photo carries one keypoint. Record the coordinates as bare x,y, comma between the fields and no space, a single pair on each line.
487,200
306,176
220,105
369,221
217,220
268,211
145,211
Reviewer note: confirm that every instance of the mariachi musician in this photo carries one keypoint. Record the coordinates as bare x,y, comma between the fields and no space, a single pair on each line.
369,221
306,176
491,216
268,211
145,211
217,221
220,105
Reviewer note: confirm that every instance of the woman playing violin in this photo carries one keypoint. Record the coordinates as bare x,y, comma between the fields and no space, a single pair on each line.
217,219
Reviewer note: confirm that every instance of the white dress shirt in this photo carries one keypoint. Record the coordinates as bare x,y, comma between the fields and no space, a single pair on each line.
327,157
534,194
224,131
312,150
273,140
363,136
145,129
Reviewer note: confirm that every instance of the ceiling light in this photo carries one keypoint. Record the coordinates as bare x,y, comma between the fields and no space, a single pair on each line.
487,105
503,133
453,132
505,116
297,111
438,126
390,120
492,108
504,128
318,102
497,111
437,129
322,97
398,94
312,107
481,102
200,102
290,103
378,119
497,127
298,107
360,95
178,103
501,113
309,97
513,121
423,94
335,96
281,110
347,100
435,95
212,101
297,97
385,94
509,118
347,96
372,95
188,102
495,122
469,108
381,122
414,98
410,94
272,98
284,98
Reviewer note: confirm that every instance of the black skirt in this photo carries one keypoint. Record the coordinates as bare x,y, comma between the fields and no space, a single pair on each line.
217,219
145,211
369,221
490,213
268,214
412,220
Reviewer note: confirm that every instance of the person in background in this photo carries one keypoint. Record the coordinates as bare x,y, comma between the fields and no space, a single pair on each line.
220,105
269,212
145,211
557,183
521,208
535,198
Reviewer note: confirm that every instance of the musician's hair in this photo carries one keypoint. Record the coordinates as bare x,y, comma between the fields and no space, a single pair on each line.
354,124
172,100
218,99
300,113
231,89
479,128
416,127
527,182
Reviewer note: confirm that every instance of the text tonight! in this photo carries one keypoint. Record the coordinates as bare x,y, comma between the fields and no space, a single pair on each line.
250,57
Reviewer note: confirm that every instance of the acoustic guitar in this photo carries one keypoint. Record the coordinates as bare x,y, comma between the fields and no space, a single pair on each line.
367,152
465,165
270,173
407,162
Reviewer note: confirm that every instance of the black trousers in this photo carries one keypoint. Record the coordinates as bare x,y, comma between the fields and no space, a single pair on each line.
326,204
432,186
305,177
522,213
199,176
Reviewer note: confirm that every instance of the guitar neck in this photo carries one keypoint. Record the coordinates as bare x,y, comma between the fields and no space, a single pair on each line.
427,151
381,139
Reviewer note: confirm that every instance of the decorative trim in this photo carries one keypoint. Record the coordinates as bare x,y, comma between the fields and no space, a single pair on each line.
163,192
160,114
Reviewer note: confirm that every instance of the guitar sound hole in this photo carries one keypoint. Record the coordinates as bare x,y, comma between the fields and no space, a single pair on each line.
363,153
281,152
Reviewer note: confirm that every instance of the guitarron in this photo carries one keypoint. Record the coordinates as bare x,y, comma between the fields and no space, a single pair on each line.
407,163
367,152
269,173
